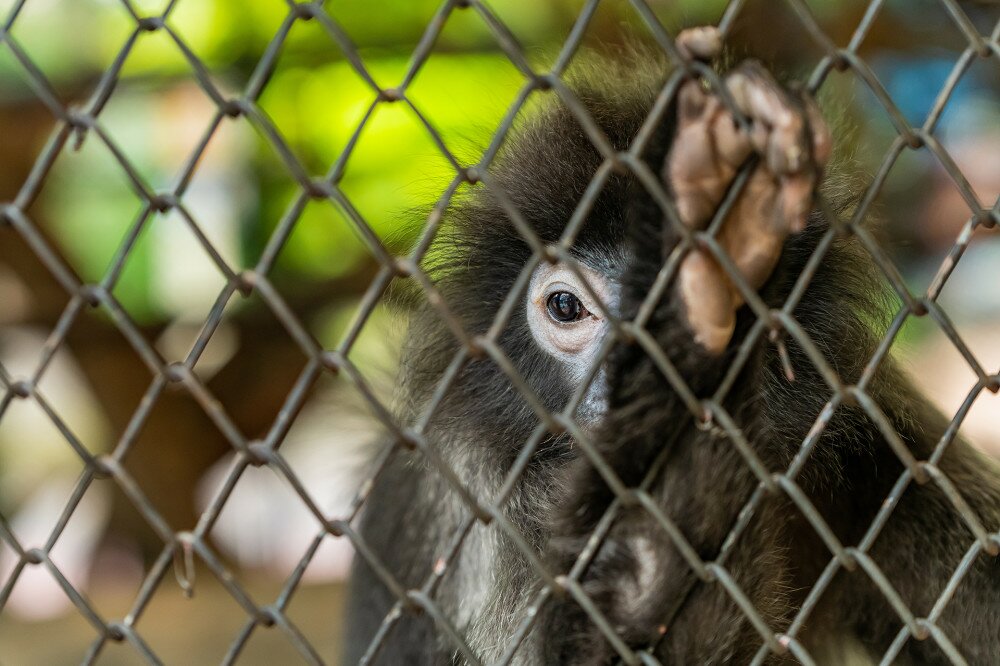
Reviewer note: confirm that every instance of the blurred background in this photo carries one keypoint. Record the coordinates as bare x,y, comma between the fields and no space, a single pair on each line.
159,115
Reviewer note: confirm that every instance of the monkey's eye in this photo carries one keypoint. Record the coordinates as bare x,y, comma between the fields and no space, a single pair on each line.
566,312
564,307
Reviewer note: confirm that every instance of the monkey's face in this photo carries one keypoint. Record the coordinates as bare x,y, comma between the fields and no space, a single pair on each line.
567,317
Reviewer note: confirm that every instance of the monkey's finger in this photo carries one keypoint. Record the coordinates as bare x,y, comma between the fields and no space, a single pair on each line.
691,104
798,189
755,229
696,171
701,43
779,124
696,184
797,199
708,300
822,141
732,144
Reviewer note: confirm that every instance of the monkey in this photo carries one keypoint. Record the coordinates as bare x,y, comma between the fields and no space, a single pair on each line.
629,328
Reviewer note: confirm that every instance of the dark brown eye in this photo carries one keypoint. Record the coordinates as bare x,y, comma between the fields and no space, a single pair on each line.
565,307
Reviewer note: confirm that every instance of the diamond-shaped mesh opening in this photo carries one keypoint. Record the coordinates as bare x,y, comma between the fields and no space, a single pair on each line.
93,37
90,174
167,601
310,72
217,221
33,638
228,49
182,122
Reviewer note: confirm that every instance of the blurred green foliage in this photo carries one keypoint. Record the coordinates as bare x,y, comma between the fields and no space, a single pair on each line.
314,97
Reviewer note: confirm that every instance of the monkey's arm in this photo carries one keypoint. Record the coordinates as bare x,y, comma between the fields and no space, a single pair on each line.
640,573
640,577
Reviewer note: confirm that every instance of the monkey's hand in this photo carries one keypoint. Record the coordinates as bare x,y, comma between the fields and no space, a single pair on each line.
792,142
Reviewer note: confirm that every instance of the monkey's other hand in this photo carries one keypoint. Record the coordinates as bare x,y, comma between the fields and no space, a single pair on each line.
793,143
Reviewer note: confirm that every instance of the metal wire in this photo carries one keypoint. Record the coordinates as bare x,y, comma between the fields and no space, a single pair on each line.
180,549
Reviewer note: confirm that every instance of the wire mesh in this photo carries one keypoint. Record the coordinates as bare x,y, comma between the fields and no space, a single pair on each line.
180,548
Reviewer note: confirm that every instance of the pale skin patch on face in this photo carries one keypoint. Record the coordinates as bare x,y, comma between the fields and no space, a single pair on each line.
574,343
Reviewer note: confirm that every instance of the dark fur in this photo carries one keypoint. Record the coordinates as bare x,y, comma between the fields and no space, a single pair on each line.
483,423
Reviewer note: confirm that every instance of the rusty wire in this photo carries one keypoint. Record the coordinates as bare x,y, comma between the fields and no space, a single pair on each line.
75,124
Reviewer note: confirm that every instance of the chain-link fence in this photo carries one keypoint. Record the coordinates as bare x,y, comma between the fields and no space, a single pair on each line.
183,549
